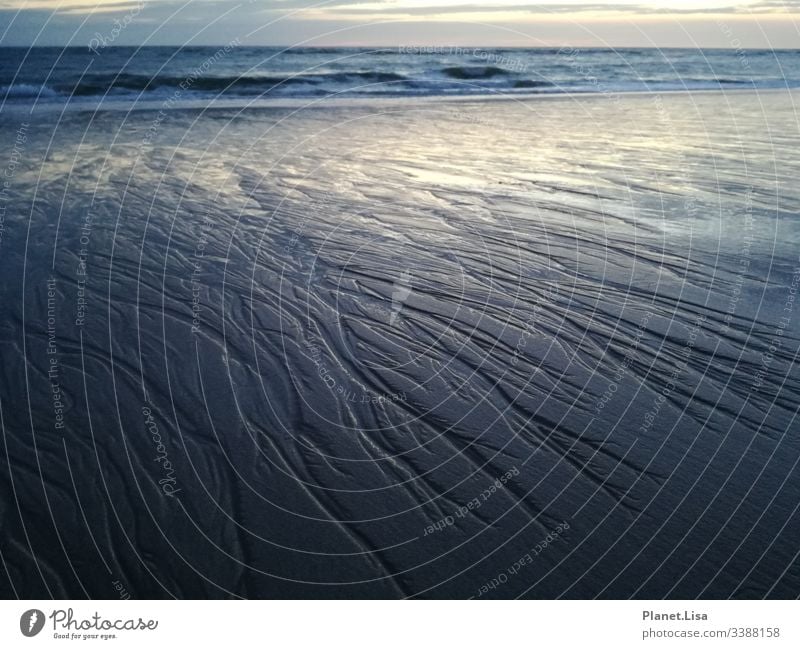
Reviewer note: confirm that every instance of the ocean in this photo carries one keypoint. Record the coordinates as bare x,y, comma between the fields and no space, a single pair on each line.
365,324
113,74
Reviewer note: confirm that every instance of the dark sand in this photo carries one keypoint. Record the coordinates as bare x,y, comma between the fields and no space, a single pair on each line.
407,349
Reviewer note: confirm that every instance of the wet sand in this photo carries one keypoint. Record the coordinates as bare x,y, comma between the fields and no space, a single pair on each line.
540,348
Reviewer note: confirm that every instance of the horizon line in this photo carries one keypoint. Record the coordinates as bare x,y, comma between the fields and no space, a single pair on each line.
412,45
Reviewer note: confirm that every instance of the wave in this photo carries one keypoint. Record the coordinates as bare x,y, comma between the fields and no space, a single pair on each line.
26,90
743,82
530,83
254,84
449,81
474,72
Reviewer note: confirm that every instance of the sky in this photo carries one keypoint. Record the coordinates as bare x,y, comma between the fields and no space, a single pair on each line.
495,23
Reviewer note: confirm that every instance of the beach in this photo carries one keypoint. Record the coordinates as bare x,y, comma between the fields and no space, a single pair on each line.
480,347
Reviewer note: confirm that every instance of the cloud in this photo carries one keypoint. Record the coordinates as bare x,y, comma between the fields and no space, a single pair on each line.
769,6
555,9
331,22
66,5
411,8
